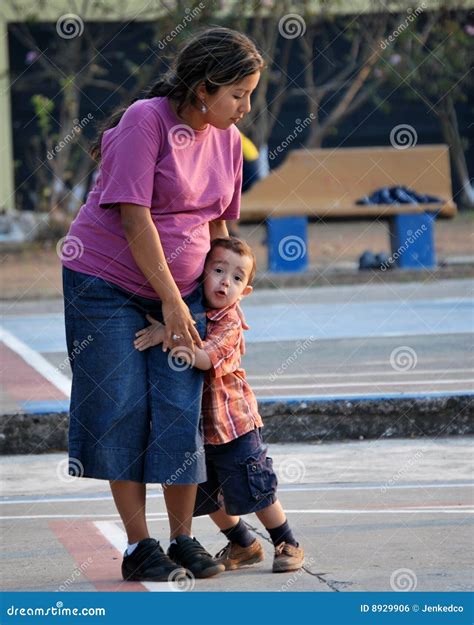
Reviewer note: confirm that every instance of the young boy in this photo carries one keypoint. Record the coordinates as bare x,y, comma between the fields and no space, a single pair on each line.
238,469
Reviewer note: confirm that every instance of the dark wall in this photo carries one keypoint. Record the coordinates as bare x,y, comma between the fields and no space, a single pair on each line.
370,125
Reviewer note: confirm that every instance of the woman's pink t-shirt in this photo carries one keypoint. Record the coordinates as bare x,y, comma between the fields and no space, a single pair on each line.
186,177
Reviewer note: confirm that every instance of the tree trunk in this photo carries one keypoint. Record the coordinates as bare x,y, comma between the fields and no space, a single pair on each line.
320,130
446,113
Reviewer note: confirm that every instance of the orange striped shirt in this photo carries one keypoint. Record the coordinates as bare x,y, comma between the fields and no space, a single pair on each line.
229,406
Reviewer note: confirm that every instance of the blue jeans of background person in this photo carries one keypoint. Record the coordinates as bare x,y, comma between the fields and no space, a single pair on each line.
134,415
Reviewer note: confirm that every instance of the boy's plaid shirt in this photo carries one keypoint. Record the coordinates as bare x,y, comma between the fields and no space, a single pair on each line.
229,407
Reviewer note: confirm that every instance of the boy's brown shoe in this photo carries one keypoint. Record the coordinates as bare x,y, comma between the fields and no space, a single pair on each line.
287,558
233,556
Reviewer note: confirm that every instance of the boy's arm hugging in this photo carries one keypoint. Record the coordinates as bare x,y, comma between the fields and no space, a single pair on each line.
154,335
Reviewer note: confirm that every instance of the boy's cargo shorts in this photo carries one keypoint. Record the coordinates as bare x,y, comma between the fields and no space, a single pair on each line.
240,477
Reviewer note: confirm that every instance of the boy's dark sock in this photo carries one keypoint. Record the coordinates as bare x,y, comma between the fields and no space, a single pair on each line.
282,534
240,534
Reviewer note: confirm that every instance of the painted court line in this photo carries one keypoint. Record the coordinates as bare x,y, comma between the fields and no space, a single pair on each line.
363,396
18,517
36,361
352,374
157,516
362,384
97,561
118,539
282,488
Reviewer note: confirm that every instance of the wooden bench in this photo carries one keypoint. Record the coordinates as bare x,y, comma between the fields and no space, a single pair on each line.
327,182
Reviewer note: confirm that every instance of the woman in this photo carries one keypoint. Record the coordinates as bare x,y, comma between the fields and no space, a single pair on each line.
170,175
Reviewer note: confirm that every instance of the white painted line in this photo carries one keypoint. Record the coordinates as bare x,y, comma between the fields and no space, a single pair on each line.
350,374
363,384
71,499
450,510
295,488
286,488
423,394
158,515
454,509
118,539
36,360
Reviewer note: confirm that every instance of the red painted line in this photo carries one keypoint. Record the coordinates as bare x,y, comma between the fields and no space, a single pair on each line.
95,557
22,382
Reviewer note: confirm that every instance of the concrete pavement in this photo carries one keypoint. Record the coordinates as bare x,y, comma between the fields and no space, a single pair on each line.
375,515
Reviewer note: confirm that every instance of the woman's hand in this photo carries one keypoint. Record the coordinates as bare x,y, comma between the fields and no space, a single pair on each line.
180,324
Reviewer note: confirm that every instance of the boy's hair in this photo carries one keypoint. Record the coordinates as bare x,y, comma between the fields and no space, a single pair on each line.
239,247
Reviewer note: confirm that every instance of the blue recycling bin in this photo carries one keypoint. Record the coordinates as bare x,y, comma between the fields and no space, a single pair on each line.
412,241
287,244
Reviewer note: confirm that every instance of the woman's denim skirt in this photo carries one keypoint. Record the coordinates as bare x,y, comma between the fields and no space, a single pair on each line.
134,415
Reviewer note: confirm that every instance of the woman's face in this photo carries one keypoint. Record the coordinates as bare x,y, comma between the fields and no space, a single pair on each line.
230,103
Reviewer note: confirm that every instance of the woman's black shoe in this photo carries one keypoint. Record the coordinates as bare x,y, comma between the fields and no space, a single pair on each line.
149,563
191,554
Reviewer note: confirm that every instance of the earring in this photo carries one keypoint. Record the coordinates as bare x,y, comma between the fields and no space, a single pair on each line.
203,107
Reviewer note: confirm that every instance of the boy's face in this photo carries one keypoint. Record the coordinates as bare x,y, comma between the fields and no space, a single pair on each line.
225,277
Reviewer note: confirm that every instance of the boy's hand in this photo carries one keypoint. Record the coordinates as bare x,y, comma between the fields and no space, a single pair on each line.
148,337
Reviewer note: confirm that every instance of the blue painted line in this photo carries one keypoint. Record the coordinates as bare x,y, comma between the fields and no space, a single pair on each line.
43,407
292,399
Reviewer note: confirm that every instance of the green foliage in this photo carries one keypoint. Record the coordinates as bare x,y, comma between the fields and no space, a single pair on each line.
434,65
43,108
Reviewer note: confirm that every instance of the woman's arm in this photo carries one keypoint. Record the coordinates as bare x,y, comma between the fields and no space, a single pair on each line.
218,229
145,245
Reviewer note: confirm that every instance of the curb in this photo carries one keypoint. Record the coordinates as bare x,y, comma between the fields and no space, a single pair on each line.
356,419
324,276
288,421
